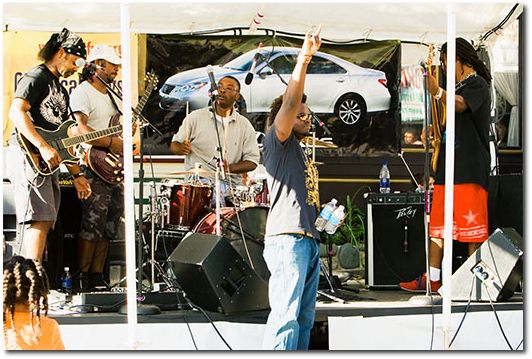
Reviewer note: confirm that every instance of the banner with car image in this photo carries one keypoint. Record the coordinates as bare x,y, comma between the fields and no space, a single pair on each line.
353,88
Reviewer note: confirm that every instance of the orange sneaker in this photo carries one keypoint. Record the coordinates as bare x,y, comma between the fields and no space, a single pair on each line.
419,285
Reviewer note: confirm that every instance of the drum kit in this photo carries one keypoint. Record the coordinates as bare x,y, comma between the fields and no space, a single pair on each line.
180,206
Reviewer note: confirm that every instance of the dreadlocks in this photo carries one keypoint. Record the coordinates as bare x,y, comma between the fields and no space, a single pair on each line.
467,55
25,282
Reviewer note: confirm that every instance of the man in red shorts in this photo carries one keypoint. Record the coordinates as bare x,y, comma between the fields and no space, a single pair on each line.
472,162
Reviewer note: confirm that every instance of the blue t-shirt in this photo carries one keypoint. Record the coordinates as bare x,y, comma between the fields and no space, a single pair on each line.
293,184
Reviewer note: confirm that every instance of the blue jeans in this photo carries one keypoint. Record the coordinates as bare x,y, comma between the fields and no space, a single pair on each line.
293,261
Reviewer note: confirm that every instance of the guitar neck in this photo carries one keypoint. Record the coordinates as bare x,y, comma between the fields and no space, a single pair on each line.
91,136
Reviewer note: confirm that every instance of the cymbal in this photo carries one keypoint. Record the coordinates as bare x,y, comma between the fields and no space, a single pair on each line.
192,171
317,143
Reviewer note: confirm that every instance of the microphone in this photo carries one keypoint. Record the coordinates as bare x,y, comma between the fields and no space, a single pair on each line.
91,67
249,76
214,87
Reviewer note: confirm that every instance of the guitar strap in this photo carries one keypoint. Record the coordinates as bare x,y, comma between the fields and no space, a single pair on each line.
114,102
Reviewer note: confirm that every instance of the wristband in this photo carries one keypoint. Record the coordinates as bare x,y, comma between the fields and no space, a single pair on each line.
439,93
78,175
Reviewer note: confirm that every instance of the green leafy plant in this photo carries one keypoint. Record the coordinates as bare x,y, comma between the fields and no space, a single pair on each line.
352,230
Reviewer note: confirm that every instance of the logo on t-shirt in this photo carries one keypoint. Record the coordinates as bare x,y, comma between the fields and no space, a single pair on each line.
54,105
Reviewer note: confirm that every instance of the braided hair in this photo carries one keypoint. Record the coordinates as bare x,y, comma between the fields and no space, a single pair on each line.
467,55
25,282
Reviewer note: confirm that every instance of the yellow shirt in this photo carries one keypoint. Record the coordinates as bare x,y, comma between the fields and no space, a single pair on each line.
49,338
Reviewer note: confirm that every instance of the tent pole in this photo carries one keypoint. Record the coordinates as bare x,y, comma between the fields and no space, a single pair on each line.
449,174
129,204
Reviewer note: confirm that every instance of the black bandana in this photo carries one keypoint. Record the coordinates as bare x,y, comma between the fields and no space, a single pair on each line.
71,43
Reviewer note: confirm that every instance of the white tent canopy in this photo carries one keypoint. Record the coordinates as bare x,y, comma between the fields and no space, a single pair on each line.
418,22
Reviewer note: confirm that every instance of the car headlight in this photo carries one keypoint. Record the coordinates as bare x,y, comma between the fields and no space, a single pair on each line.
192,86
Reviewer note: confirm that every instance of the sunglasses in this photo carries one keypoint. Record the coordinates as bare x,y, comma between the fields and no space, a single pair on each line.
304,117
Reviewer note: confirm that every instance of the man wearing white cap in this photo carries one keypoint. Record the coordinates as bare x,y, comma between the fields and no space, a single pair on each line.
93,106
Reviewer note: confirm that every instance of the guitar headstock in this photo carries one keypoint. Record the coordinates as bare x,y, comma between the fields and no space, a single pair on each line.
430,57
151,81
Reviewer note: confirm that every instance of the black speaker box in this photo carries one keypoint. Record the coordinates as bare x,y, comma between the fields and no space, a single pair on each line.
505,202
493,271
215,277
395,238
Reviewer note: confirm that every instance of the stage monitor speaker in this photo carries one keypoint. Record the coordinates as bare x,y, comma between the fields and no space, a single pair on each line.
492,272
215,277
395,247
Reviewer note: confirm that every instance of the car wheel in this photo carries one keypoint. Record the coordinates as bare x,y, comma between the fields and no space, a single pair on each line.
351,109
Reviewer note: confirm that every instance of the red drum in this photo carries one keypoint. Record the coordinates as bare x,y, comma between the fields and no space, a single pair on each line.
253,220
187,204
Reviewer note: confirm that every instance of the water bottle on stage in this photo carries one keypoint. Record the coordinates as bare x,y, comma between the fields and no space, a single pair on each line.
384,178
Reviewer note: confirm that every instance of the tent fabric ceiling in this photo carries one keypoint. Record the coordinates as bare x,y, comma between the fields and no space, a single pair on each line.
419,22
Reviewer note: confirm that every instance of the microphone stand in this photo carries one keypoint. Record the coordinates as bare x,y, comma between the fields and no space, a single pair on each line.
220,159
142,309
315,119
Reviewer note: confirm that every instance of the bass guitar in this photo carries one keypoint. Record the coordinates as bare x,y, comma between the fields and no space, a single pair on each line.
107,165
438,117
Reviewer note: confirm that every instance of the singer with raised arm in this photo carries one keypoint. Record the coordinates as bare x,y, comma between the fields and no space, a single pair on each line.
199,136
41,104
291,245
95,108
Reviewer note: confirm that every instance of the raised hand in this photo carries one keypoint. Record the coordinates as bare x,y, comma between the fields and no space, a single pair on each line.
312,42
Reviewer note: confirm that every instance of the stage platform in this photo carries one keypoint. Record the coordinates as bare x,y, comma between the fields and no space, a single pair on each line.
368,320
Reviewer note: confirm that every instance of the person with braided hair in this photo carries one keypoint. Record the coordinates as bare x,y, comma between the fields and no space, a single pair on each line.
472,162
25,297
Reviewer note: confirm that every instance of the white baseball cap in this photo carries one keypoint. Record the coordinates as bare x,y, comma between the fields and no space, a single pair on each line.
104,52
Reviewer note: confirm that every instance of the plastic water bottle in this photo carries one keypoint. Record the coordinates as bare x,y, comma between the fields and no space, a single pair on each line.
325,214
66,282
335,220
384,178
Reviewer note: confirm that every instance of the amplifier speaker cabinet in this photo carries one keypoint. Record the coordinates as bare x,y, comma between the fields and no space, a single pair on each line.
395,238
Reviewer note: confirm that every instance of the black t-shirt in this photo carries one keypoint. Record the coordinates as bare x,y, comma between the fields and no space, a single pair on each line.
472,157
48,99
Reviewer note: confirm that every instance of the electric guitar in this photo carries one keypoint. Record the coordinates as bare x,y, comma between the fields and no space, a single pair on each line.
60,140
438,118
107,165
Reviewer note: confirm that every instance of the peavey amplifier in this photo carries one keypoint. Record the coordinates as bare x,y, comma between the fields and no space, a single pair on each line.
395,238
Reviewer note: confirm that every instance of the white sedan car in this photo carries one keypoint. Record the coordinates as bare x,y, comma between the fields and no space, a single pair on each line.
332,85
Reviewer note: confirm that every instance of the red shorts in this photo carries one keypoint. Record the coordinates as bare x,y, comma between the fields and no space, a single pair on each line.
470,215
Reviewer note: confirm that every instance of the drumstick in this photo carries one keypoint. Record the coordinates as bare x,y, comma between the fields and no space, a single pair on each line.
187,132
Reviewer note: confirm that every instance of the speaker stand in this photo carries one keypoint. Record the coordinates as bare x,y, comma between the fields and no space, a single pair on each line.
335,290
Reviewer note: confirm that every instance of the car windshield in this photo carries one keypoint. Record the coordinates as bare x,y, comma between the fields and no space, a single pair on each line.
242,62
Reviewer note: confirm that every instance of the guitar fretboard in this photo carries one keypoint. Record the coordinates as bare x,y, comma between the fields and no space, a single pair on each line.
91,136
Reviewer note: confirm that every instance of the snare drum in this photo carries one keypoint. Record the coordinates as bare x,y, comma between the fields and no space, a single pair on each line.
187,204
253,221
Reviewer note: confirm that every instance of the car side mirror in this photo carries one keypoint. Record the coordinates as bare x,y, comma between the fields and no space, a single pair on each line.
263,74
